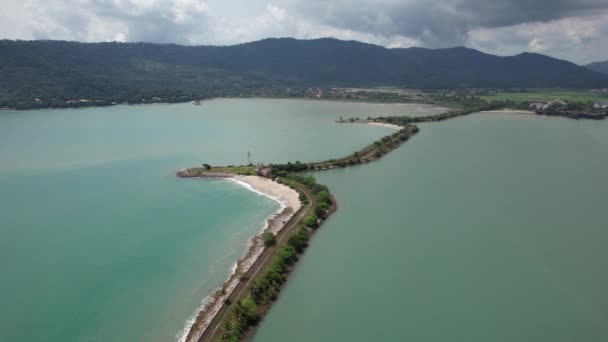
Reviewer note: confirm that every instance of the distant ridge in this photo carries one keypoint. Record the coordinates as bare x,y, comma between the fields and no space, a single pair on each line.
123,71
599,67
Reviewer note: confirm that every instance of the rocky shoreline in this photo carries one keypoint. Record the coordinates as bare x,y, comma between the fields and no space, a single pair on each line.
290,204
189,173
573,115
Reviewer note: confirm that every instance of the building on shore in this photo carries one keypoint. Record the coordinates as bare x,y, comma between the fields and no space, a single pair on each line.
600,105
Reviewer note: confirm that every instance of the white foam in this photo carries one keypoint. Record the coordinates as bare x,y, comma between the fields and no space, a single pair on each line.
182,335
250,188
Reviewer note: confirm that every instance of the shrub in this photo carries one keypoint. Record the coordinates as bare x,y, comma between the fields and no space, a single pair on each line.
286,257
323,197
321,209
269,239
299,240
250,310
311,221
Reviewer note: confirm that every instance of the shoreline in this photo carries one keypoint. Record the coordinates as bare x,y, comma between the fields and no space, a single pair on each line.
345,100
208,324
290,203
371,123
508,110
385,125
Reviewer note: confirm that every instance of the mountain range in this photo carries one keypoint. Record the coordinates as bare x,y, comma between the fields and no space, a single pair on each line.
124,71
599,67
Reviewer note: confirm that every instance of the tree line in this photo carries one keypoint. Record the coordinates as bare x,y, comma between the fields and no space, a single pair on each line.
263,291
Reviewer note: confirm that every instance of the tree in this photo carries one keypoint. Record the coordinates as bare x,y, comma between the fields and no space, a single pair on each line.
321,209
324,197
206,166
299,240
250,310
269,239
311,221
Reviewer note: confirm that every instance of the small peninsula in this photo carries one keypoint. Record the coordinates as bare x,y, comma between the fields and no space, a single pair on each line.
236,308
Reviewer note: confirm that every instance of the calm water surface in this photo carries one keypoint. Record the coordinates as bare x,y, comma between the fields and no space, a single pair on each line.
491,227
100,242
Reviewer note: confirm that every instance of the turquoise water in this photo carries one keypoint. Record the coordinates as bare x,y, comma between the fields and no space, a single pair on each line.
491,227
100,242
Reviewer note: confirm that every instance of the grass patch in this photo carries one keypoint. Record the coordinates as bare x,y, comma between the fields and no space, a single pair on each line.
239,170
547,96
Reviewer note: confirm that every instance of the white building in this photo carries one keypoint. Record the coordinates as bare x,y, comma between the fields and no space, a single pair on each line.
600,105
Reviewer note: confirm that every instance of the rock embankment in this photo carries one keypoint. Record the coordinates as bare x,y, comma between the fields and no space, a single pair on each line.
573,115
194,173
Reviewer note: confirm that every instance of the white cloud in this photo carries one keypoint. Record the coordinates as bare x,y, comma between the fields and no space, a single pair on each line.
579,39
120,37
180,21
276,12
537,45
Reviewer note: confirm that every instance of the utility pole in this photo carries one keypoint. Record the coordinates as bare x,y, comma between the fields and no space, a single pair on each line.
249,158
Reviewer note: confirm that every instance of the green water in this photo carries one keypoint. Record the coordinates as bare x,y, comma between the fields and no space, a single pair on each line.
491,227
98,239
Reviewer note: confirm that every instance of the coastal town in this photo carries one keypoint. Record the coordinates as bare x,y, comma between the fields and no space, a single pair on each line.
597,110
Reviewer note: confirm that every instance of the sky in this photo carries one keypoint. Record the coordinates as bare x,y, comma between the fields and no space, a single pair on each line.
575,30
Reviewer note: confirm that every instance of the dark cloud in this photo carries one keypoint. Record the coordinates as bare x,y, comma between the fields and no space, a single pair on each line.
439,23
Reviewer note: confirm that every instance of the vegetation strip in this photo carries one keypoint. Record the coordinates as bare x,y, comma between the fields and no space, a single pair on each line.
54,74
260,286
263,289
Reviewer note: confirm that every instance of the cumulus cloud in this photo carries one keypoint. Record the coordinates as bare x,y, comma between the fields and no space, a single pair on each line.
580,39
277,21
439,23
164,21
572,29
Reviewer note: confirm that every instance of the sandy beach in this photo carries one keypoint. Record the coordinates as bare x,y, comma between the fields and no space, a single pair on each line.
385,125
279,192
290,204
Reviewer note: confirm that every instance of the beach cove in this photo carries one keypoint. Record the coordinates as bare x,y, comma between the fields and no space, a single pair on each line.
290,204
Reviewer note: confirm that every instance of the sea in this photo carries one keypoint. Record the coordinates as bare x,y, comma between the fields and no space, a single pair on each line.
99,241
490,227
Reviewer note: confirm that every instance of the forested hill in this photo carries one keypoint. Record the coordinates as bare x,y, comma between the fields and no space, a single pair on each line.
599,67
56,71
